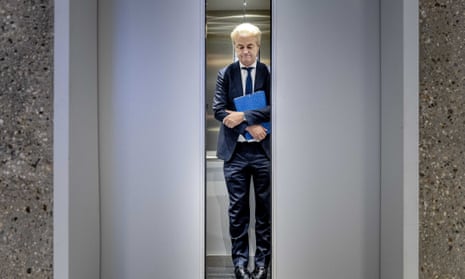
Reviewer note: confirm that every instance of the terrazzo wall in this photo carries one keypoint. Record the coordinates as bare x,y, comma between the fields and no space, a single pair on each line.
26,42
442,139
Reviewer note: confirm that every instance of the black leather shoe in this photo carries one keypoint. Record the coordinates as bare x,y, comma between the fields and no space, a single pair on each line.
241,272
260,273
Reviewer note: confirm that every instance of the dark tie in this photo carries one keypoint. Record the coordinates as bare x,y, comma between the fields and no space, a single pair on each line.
248,81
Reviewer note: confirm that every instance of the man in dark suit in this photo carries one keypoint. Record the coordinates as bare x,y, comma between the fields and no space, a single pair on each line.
245,160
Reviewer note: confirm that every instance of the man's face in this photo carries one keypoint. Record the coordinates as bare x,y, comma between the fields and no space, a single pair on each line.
246,49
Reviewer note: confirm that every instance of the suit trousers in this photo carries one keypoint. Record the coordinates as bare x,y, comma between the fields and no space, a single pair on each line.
249,162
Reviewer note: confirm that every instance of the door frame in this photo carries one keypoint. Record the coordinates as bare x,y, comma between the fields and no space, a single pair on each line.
77,21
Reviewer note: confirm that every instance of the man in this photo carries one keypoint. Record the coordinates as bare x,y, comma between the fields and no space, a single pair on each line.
245,160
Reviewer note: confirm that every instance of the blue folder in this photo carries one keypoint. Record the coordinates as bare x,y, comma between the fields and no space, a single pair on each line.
256,100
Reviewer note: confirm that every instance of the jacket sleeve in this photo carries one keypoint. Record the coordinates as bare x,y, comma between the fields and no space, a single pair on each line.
222,101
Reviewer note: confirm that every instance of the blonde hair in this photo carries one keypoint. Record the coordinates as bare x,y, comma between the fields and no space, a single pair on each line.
246,29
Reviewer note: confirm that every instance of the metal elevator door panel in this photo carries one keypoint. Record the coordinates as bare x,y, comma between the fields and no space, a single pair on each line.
326,142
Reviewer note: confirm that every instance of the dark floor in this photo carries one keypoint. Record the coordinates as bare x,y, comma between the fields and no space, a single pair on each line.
220,267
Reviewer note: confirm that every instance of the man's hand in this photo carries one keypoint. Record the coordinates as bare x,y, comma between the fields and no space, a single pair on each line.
233,119
258,132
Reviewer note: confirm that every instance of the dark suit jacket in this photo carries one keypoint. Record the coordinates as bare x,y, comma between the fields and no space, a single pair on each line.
228,87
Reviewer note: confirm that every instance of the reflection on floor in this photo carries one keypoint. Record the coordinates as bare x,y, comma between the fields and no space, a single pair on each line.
220,267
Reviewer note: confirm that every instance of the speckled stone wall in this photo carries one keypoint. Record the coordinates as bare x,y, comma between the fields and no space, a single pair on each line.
442,139
26,42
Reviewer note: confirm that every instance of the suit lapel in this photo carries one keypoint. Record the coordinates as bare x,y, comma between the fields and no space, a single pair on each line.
259,76
237,80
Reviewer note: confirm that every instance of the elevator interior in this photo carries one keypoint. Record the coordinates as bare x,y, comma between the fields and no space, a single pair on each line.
221,17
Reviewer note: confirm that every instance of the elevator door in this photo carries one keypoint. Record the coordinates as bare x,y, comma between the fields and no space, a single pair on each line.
326,139
326,153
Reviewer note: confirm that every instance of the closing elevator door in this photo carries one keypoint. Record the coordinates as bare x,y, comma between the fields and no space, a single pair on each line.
325,138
